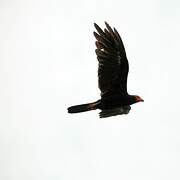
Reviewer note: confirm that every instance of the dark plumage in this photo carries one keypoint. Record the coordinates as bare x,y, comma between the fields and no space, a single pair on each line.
113,70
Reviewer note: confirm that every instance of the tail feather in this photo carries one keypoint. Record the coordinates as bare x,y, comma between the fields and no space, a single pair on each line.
82,108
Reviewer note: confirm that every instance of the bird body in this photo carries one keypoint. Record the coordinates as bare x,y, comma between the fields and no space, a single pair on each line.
113,68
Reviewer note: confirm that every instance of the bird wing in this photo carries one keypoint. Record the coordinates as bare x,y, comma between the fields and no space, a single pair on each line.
113,65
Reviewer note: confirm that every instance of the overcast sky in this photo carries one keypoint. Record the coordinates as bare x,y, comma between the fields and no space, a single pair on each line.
47,63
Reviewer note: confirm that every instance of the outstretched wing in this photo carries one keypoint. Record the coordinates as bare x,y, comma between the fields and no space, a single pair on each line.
113,64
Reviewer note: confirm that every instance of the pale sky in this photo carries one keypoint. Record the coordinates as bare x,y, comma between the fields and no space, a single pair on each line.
47,63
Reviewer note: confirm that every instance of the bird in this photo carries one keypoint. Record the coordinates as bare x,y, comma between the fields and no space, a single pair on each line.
113,68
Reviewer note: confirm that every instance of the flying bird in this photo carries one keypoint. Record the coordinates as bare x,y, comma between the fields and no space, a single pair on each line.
113,68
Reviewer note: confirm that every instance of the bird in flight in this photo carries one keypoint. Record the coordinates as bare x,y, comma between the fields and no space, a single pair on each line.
113,68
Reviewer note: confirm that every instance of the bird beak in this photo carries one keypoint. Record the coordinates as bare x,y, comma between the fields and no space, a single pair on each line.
139,99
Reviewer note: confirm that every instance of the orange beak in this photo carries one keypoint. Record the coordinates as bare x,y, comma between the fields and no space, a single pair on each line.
139,99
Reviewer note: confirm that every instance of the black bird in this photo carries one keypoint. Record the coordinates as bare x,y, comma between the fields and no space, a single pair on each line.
113,70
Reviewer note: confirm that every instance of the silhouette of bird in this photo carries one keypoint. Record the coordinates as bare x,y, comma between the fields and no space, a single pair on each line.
113,70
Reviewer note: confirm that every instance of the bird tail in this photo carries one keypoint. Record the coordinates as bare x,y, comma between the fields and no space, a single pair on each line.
82,107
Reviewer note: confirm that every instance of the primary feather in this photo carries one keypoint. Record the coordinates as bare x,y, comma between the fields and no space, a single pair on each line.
113,65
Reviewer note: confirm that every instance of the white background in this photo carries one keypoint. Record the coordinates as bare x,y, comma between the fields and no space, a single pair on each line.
47,63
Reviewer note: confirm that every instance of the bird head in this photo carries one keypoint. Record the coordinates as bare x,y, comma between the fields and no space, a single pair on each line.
138,99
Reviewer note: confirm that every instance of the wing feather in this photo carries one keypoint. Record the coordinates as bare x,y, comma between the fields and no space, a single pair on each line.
113,65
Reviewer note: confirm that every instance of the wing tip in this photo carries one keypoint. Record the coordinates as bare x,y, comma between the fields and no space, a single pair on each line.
105,22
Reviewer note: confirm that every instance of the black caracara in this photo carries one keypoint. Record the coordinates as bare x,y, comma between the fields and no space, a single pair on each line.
113,70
